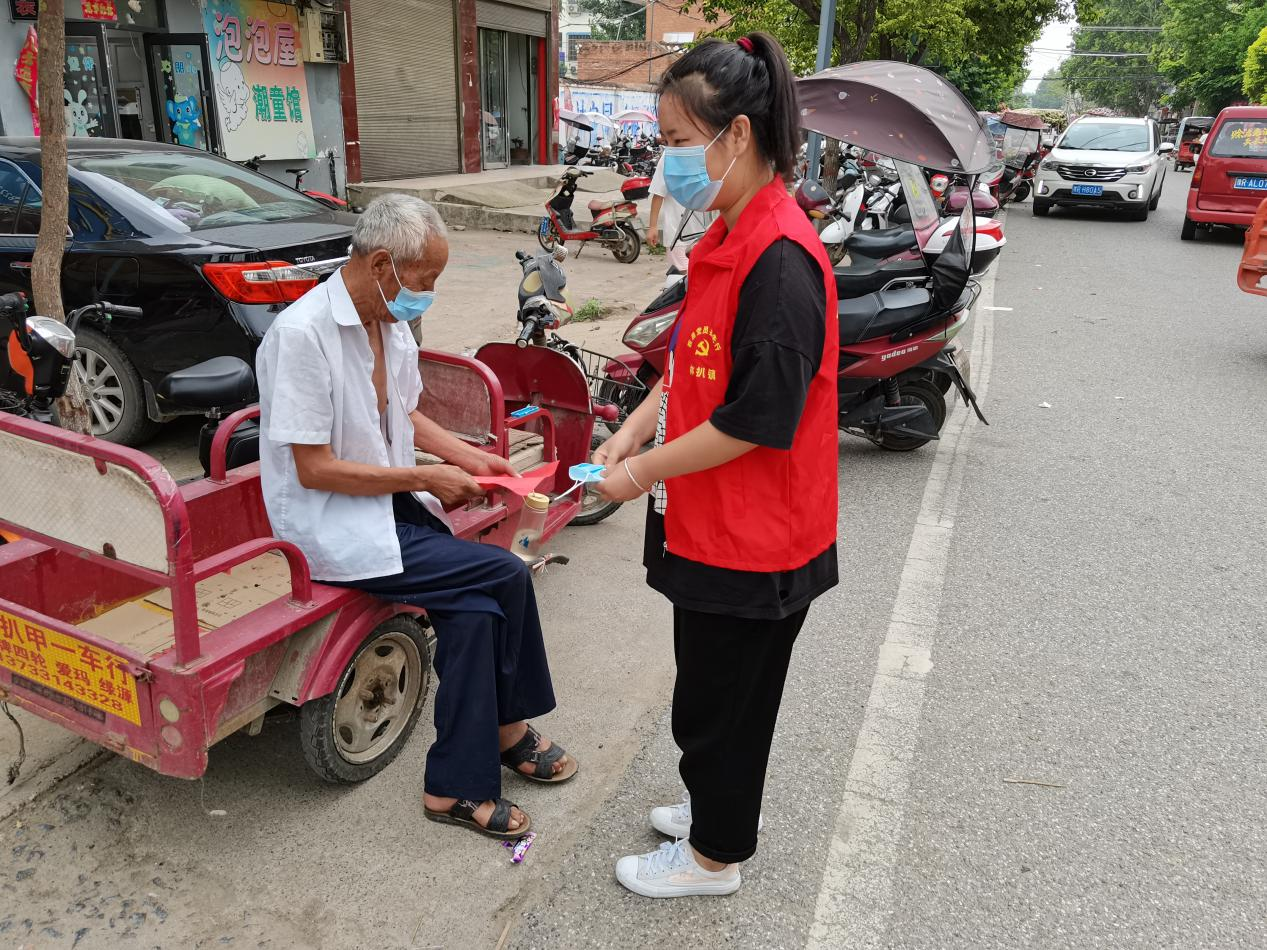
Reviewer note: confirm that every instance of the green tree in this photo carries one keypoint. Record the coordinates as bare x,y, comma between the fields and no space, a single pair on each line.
1254,77
1202,48
616,19
1051,92
1128,84
988,79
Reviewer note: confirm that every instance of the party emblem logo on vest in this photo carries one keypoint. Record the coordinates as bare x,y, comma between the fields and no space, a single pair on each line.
703,348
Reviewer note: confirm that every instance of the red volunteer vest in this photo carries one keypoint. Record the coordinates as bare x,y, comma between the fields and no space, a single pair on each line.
768,510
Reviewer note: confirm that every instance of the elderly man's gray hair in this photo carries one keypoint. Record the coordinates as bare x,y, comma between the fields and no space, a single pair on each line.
402,225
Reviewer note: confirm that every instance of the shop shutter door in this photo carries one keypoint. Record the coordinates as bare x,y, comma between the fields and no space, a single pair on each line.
502,16
406,88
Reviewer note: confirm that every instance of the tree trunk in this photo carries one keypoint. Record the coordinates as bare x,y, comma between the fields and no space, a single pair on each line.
46,267
831,166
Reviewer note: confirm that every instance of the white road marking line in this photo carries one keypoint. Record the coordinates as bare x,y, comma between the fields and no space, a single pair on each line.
855,900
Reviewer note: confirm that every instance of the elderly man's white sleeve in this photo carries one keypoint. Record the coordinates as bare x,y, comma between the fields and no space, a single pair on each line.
300,406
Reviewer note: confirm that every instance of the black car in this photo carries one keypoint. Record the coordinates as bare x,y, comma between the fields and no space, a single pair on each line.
210,251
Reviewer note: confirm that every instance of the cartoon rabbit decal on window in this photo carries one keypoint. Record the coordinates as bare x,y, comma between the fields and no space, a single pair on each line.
77,121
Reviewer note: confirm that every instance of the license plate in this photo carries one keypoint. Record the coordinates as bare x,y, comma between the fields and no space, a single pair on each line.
72,668
545,226
1249,183
1088,191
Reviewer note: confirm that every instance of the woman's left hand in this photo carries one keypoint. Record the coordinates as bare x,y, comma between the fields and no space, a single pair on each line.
617,485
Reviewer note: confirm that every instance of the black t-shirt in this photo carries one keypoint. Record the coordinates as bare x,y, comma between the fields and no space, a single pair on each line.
776,349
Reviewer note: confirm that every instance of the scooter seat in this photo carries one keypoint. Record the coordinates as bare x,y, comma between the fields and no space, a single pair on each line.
865,275
883,243
881,313
216,383
599,206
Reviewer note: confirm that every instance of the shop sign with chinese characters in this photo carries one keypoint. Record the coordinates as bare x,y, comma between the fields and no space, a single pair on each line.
99,10
24,9
258,70
73,670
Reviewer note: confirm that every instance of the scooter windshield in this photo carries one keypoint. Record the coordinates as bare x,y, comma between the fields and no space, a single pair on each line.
919,198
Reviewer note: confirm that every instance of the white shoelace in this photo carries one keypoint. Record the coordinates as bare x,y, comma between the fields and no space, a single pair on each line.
669,857
682,812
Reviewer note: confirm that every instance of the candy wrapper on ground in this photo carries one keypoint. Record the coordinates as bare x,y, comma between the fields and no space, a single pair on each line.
519,848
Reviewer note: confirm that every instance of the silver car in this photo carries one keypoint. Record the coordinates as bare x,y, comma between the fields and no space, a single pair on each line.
1103,162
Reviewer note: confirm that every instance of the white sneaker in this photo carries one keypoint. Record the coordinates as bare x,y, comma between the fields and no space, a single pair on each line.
671,871
675,820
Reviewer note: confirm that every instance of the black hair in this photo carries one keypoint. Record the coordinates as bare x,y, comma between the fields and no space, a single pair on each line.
717,81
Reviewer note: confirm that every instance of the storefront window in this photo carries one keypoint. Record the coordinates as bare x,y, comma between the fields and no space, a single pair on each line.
85,95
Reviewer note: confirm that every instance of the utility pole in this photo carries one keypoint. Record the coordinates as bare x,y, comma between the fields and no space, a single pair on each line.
826,35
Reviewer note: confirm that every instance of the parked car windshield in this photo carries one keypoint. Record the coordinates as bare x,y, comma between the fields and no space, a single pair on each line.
200,190
1106,137
1241,139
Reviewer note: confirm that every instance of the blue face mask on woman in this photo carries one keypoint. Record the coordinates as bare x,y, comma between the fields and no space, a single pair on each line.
409,304
686,175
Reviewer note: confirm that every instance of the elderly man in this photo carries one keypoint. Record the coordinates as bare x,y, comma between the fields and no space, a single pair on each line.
339,390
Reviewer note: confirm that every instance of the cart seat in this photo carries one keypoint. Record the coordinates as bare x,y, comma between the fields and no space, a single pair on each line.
882,243
879,314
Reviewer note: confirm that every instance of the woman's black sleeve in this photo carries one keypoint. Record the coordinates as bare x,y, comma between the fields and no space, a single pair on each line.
776,347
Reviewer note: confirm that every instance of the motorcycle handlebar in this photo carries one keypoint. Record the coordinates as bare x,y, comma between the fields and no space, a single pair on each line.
525,335
13,308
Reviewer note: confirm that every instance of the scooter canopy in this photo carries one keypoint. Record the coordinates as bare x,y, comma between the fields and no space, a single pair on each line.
895,109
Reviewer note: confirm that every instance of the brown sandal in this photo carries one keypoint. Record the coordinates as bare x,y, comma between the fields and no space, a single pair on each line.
463,813
528,749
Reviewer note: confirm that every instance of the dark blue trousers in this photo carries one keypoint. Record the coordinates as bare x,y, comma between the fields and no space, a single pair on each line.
490,655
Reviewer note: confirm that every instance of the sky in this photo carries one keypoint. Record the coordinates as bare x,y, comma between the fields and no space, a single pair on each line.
1056,36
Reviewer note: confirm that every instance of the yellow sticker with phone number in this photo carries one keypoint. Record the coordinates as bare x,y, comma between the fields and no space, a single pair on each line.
77,670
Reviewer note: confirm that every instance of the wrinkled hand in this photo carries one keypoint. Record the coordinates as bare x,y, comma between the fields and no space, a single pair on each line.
485,463
448,483
618,486
617,448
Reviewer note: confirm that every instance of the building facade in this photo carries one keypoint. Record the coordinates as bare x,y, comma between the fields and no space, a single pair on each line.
245,79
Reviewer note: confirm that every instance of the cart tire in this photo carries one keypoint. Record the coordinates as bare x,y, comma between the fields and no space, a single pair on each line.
594,508
547,237
630,245
391,670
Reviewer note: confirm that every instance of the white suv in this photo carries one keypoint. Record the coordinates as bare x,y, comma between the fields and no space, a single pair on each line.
1104,162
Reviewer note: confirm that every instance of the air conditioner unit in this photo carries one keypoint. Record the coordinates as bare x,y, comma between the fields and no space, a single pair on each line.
325,35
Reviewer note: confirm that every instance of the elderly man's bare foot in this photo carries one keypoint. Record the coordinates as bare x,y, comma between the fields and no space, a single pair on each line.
482,814
509,735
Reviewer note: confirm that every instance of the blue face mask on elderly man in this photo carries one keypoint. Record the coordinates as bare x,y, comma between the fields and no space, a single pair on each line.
408,304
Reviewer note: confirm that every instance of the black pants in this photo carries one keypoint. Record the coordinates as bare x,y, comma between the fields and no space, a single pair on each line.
730,675
490,655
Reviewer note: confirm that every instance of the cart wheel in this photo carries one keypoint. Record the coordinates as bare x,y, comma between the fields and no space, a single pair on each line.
630,245
594,507
356,731
546,235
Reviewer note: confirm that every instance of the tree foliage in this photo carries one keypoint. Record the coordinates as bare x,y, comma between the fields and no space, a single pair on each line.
1202,48
616,19
978,42
1254,77
1130,84
1051,92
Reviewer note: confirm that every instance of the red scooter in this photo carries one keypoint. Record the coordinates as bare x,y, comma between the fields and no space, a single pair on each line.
897,361
613,225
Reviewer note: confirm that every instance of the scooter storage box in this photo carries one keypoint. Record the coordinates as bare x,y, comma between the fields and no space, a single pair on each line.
635,188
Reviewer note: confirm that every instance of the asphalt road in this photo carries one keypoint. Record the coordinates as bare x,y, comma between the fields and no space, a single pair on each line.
1067,752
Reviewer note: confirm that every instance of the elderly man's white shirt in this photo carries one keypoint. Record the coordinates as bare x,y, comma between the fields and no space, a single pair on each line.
316,386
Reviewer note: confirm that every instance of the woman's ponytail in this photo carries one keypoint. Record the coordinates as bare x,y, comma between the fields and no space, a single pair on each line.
717,81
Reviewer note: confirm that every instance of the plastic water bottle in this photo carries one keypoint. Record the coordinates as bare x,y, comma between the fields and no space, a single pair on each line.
532,522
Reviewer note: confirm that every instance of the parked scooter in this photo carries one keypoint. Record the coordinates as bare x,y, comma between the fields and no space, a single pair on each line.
41,354
613,226
330,201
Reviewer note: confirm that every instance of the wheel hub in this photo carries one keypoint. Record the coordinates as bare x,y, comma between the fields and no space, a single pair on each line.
376,698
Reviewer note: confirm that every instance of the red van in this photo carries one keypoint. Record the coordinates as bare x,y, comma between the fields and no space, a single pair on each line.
1230,177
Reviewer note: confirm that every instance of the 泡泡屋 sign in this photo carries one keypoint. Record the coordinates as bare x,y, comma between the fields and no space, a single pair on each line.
258,70
79,674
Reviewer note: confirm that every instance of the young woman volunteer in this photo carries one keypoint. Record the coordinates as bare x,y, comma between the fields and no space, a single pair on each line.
741,532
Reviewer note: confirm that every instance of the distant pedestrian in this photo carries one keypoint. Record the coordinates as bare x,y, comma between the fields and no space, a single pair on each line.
671,224
741,526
